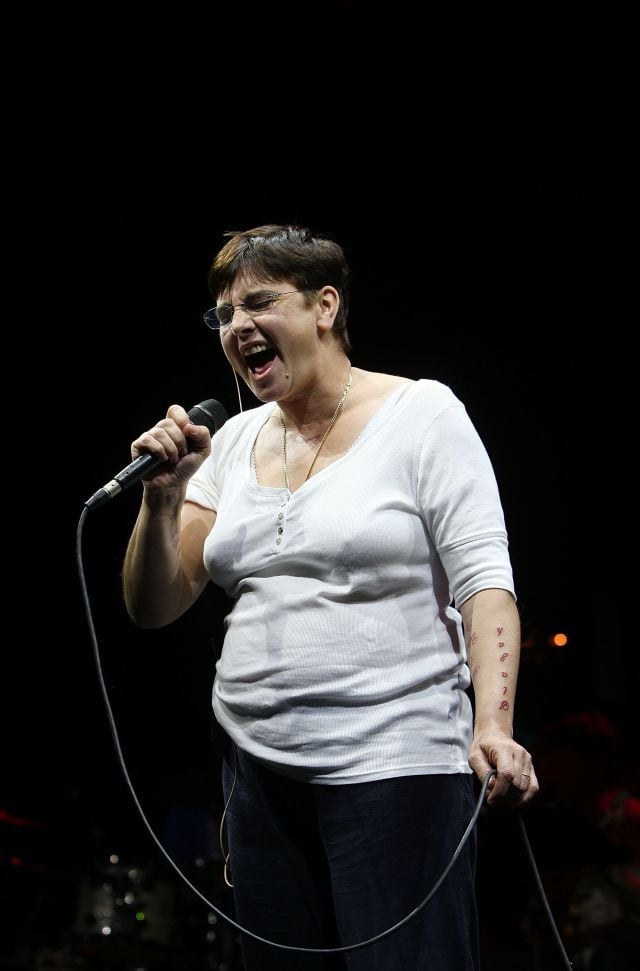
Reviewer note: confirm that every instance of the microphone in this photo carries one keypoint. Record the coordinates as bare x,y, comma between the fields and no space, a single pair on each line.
210,413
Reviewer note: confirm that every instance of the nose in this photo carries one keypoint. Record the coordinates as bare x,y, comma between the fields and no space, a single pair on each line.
245,322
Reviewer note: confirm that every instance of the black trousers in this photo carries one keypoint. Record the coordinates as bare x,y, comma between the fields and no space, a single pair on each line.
321,867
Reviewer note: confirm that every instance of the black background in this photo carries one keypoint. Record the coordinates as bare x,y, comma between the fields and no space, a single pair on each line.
487,230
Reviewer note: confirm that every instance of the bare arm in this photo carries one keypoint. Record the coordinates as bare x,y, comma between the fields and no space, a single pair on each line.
163,572
492,633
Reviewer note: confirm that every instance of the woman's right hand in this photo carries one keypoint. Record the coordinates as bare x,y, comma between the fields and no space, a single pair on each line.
180,446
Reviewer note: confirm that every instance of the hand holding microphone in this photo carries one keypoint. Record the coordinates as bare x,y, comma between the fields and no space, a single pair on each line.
181,441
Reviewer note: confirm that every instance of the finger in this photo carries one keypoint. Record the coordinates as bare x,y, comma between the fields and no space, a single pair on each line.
514,789
525,774
199,436
532,788
479,764
175,441
161,443
178,414
508,787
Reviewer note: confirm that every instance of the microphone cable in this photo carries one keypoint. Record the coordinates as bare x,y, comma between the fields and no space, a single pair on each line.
209,903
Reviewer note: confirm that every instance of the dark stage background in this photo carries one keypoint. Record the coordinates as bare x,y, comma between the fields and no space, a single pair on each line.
504,276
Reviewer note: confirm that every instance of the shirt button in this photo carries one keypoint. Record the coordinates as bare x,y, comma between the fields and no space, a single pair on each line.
278,541
280,515
280,529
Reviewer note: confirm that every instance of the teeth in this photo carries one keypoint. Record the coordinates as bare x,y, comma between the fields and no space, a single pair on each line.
256,349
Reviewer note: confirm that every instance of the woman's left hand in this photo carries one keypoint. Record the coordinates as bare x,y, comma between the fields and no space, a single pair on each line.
515,782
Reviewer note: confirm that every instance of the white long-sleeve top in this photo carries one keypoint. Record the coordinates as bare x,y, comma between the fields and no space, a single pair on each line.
343,657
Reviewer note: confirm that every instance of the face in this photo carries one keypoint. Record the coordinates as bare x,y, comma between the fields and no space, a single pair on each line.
272,338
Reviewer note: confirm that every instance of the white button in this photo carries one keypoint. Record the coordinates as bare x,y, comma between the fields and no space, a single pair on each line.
278,541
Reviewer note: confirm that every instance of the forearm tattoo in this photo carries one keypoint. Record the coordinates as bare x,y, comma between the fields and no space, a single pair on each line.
473,637
504,704
502,657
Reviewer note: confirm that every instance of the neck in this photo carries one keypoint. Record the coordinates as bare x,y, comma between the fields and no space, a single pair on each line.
310,413
318,448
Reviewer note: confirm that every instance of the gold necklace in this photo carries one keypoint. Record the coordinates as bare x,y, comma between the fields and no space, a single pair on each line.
322,440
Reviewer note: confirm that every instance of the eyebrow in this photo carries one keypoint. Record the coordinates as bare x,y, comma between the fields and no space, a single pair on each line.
250,293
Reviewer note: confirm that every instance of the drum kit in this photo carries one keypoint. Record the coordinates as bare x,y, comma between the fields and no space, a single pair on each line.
123,901
133,918
130,918
113,911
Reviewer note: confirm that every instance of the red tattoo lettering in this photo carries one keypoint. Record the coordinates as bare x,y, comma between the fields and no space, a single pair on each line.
499,630
503,657
473,638
504,706
475,670
504,690
500,643
504,674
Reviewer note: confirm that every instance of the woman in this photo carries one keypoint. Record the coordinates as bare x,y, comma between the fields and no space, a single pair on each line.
354,520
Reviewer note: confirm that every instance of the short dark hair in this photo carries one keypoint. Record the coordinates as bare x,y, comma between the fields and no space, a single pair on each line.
291,254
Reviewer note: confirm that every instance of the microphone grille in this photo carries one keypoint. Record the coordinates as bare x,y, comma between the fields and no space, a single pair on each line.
209,413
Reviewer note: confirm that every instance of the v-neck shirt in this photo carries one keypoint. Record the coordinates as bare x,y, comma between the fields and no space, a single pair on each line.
343,657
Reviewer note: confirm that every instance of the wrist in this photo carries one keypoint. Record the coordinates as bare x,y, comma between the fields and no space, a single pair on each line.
163,503
489,726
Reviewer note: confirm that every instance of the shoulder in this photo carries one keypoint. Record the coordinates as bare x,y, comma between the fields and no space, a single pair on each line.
238,427
227,445
428,399
422,390
435,393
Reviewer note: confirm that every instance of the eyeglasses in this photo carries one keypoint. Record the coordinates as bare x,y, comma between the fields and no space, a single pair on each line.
220,317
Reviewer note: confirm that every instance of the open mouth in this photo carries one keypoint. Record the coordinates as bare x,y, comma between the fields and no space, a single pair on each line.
259,358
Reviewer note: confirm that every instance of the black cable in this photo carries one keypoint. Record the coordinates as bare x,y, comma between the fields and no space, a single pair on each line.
545,902
184,878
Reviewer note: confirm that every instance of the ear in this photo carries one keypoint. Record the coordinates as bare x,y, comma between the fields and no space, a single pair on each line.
328,303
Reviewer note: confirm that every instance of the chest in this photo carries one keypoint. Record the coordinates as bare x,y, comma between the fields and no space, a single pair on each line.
346,523
282,458
286,457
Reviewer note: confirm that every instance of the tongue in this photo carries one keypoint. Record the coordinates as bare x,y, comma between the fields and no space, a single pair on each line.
260,363
262,368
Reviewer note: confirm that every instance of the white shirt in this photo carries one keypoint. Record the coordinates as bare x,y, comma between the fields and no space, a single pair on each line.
343,658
